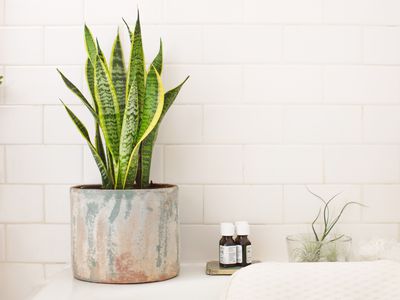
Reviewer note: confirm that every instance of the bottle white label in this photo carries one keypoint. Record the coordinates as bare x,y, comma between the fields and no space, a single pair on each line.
248,254
227,255
239,256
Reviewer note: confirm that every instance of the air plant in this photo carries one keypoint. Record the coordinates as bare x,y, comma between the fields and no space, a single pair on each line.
322,246
329,223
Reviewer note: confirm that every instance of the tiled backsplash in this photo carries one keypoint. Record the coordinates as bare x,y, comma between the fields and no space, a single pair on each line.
282,94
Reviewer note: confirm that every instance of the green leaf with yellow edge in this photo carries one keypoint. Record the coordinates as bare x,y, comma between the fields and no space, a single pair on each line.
98,141
106,181
118,74
158,60
129,30
89,71
147,145
137,65
129,131
170,97
109,115
100,53
113,102
90,45
152,110
78,93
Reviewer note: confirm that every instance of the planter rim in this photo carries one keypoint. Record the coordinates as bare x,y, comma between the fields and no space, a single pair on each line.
97,187
300,236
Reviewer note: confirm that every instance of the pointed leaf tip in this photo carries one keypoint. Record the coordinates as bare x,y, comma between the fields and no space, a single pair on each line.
129,30
185,79
125,22
138,17
90,44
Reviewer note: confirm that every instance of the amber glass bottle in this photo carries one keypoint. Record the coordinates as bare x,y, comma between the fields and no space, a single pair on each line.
243,244
227,246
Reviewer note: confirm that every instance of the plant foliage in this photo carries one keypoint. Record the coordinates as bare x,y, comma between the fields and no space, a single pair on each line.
328,222
322,246
127,105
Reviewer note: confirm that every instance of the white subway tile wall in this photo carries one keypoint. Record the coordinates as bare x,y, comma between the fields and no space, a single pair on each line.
56,203
382,45
191,204
322,44
39,85
362,84
385,201
283,84
212,84
43,164
283,94
255,203
21,203
3,169
14,42
38,242
54,122
283,164
24,124
299,207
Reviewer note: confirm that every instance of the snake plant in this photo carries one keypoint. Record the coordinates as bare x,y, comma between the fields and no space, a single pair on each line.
127,105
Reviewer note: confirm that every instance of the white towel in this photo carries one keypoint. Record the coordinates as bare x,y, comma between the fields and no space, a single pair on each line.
374,280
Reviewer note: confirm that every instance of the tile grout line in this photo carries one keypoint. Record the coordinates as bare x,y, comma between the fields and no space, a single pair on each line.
362,196
5,147
164,163
83,163
203,189
283,205
4,13
43,127
283,44
363,141
6,242
44,217
267,63
243,23
362,44
323,154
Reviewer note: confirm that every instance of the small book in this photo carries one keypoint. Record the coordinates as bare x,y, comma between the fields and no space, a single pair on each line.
213,268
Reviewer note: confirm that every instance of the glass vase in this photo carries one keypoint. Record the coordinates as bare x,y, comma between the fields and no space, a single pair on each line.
305,248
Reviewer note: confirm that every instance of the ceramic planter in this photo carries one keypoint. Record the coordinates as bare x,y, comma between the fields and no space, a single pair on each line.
125,236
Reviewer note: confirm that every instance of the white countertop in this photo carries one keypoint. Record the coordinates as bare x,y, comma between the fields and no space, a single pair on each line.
192,283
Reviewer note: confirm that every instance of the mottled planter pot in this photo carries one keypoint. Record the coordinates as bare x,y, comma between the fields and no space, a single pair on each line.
125,236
